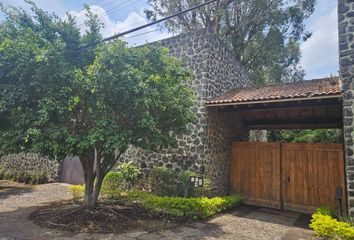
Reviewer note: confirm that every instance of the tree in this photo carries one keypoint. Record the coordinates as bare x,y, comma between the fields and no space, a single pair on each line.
264,34
127,96
307,135
58,101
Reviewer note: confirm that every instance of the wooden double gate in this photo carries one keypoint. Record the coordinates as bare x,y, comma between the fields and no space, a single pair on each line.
293,176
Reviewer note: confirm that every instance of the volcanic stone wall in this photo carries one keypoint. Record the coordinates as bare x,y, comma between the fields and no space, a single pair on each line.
206,149
346,61
31,162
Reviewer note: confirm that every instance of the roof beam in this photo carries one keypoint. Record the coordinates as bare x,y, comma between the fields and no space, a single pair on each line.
281,105
334,122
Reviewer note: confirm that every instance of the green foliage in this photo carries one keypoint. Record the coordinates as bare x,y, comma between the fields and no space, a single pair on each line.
326,226
130,173
112,181
264,34
169,182
93,103
307,136
77,191
24,176
193,208
205,190
347,219
324,211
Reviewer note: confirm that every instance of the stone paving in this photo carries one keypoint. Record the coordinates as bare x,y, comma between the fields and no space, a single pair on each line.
245,222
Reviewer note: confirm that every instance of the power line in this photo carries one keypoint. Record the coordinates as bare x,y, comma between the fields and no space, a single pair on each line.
140,34
120,6
144,26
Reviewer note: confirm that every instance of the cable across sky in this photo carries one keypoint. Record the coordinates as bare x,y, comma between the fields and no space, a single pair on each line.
144,26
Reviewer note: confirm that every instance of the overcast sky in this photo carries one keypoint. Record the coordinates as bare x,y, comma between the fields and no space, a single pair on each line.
319,53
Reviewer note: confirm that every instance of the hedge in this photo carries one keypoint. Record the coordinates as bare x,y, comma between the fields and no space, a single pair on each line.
193,208
325,225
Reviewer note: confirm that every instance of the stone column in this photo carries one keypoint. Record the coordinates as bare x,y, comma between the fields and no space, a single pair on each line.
346,63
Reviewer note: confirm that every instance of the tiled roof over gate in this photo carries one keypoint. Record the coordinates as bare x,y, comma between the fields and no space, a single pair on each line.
302,89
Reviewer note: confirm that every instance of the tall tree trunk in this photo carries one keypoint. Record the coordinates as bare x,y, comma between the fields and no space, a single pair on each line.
94,175
88,165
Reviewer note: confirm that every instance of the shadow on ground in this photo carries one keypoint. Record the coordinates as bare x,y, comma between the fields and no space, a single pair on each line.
287,218
7,189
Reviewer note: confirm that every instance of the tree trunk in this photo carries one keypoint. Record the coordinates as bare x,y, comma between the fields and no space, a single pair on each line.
88,165
92,191
94,177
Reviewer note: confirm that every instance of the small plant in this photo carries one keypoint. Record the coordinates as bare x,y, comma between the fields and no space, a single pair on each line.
325,225
2,173
77,191
162,181
169,182
112,181
130,174
205,190
347,219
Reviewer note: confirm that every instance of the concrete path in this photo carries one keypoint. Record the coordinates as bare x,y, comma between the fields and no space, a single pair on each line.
245,222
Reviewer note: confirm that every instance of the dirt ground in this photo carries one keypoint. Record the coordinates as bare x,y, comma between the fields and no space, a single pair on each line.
18,201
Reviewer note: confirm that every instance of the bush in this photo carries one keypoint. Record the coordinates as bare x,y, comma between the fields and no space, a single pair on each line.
2,173
77,191
169,182
21,164
130,173
112,181
204,191
192,208
28,177
326,226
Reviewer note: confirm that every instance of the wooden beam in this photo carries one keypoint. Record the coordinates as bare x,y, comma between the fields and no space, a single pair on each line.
334,122
294,126
282,105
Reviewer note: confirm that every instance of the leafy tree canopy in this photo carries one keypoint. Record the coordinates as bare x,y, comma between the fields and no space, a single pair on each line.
307,136
264,34
92,104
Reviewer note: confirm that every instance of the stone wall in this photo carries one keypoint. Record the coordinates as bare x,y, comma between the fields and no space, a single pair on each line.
346,62
205,150
29,162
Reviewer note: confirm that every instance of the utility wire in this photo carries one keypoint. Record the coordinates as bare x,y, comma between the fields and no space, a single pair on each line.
140,34
144,26
120,6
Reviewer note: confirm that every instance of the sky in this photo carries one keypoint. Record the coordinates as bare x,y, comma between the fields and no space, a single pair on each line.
319,53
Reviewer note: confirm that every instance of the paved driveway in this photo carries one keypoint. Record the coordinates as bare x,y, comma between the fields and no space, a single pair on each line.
245,222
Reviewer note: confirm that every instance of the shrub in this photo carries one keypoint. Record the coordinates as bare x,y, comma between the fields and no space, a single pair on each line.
39,177
2,173
204,191
77,191
192,208
130,173
22,163
169,182
347,219
112,181
326,226
24,176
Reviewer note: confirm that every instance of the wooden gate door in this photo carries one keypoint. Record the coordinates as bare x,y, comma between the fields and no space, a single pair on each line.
255,172
310,175
293,176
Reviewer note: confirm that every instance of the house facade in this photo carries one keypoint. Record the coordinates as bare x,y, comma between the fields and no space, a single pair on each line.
206,149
